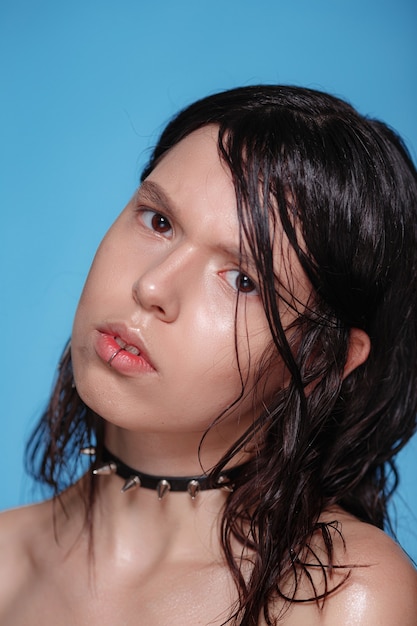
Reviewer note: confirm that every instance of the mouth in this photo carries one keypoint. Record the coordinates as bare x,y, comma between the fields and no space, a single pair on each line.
126,346
122,348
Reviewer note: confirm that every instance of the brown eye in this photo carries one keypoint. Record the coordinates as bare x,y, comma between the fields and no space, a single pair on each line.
241,282
156,222
245,284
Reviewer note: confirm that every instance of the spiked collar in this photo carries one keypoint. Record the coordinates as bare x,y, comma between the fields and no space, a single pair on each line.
111,464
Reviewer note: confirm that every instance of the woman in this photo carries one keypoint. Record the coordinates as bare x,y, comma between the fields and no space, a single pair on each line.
242,367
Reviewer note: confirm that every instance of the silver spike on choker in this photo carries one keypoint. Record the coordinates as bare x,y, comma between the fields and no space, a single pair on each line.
110,464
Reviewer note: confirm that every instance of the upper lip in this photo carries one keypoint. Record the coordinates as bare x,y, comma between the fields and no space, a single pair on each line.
130,337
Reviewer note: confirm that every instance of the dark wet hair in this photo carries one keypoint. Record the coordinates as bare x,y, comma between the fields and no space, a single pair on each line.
343,190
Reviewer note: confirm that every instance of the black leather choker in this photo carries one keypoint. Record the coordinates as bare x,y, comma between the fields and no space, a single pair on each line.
110,464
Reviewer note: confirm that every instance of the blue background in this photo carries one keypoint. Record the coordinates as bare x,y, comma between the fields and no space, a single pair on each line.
86,87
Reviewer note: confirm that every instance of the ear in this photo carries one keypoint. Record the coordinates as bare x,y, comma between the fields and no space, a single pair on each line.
358,351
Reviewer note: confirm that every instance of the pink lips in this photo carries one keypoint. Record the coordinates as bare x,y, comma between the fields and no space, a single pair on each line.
123,351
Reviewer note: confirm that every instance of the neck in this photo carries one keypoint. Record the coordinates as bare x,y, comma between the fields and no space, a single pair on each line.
137,520
109,463
137,524
168,453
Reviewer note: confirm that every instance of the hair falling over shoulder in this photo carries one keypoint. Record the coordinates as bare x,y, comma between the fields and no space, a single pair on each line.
342,190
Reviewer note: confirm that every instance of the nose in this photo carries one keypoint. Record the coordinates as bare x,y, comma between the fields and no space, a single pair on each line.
160,286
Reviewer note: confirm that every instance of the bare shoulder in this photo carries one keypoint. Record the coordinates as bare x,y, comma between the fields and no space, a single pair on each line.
381,584
373,584
22,532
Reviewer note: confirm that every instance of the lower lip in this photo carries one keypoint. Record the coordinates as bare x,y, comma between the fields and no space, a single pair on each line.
118,359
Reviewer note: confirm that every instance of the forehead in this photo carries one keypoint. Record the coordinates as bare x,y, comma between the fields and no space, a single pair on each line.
194,161
195,180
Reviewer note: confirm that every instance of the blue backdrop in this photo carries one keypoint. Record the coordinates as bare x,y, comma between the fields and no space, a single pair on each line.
87,86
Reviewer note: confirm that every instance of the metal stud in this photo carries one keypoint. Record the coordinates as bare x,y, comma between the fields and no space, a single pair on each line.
163,488
88,451
132,483
225,483
193,488
106,469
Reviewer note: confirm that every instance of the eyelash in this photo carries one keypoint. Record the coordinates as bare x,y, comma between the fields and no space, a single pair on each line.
149,215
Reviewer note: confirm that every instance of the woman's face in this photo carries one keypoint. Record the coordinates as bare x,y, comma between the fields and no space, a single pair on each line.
163,287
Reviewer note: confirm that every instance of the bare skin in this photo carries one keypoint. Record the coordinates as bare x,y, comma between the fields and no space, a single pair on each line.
158,563
165,280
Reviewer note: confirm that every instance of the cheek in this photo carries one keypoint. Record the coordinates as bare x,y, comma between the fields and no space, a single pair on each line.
262,367
253,339
107,277
97,294
207,343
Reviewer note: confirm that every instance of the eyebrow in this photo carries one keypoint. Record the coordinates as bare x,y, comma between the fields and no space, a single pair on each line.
155,194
